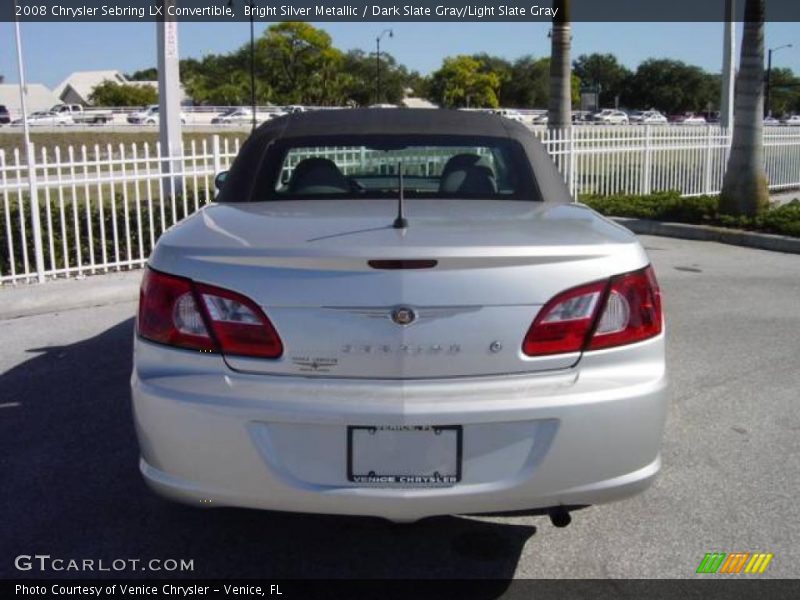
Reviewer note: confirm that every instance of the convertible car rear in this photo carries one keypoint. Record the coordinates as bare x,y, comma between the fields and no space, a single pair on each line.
399,314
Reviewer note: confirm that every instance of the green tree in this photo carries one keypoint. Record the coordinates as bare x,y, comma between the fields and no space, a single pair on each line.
222,80
529,86
459,82
150,74
109,93
358,83
295,63
301,63
784,92
603,70
500,67
560,101
744,188
672,86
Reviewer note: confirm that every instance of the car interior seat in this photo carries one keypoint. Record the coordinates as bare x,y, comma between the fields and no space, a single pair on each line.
317,175
455,162
463,174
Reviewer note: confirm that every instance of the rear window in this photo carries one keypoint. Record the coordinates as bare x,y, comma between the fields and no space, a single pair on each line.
370,167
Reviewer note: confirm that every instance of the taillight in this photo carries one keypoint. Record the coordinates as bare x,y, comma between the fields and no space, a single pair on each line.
178,312
238,324
622,310
564,323
168,313
632,311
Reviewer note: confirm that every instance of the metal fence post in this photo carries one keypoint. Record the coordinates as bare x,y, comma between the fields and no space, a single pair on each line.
572,165
728,141
647,163
215,155
709,157
36,224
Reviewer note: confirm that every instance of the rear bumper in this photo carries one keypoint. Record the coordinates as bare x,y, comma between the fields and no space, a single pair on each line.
214,437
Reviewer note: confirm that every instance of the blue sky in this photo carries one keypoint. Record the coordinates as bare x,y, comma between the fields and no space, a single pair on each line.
53,50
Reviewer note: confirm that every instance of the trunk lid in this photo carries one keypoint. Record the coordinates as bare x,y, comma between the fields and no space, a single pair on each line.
307,263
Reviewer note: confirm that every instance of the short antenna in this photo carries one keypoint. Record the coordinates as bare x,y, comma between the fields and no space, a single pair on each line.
400,222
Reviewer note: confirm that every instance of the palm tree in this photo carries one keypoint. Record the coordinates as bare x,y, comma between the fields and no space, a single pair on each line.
560,113
744,189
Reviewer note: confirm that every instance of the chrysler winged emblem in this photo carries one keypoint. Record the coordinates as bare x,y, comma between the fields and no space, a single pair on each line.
403,315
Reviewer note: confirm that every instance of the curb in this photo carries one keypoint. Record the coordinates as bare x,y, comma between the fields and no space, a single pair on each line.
30,299
709,233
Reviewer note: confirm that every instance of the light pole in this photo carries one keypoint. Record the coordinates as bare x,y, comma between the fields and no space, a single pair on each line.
252,62
378,63
253,66
728,67
29,158
768,94
169,100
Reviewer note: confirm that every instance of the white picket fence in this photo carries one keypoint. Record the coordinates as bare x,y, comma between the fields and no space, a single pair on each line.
102,208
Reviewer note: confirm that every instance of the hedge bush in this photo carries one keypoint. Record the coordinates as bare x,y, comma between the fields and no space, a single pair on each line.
84,228
698,210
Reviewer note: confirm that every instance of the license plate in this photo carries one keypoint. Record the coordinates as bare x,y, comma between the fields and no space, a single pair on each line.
410,456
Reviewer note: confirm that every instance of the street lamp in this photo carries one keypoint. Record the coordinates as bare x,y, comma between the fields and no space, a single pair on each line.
378,63
252,62
29,159
767,100
253,65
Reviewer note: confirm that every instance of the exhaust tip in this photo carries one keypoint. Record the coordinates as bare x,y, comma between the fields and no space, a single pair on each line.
560,517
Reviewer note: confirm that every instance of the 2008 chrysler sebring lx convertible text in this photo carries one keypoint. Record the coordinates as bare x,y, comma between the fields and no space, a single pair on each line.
398,313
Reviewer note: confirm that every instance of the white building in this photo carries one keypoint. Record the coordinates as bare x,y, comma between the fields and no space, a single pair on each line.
78,87
38,98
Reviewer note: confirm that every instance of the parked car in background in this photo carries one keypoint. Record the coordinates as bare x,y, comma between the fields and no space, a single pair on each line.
234,116
5,116
140,117
635,116
610,116
688,118
83,116
695,120
648,117
274,113
149,116
581,116
510,113
793,121
438,329
772,121
46,119
243,115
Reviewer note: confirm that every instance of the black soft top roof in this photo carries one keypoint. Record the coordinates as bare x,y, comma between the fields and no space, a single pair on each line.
387,121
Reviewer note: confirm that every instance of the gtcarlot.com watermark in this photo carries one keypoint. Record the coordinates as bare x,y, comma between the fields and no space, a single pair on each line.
45,563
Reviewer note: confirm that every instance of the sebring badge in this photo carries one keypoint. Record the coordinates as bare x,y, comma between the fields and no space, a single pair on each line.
404,315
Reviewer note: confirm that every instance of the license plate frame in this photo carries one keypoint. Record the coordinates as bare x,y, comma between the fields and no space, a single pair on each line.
405,479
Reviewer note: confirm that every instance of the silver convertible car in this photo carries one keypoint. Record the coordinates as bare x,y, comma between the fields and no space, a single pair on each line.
398,313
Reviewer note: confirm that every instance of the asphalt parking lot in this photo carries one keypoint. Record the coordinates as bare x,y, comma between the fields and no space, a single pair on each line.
730,482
